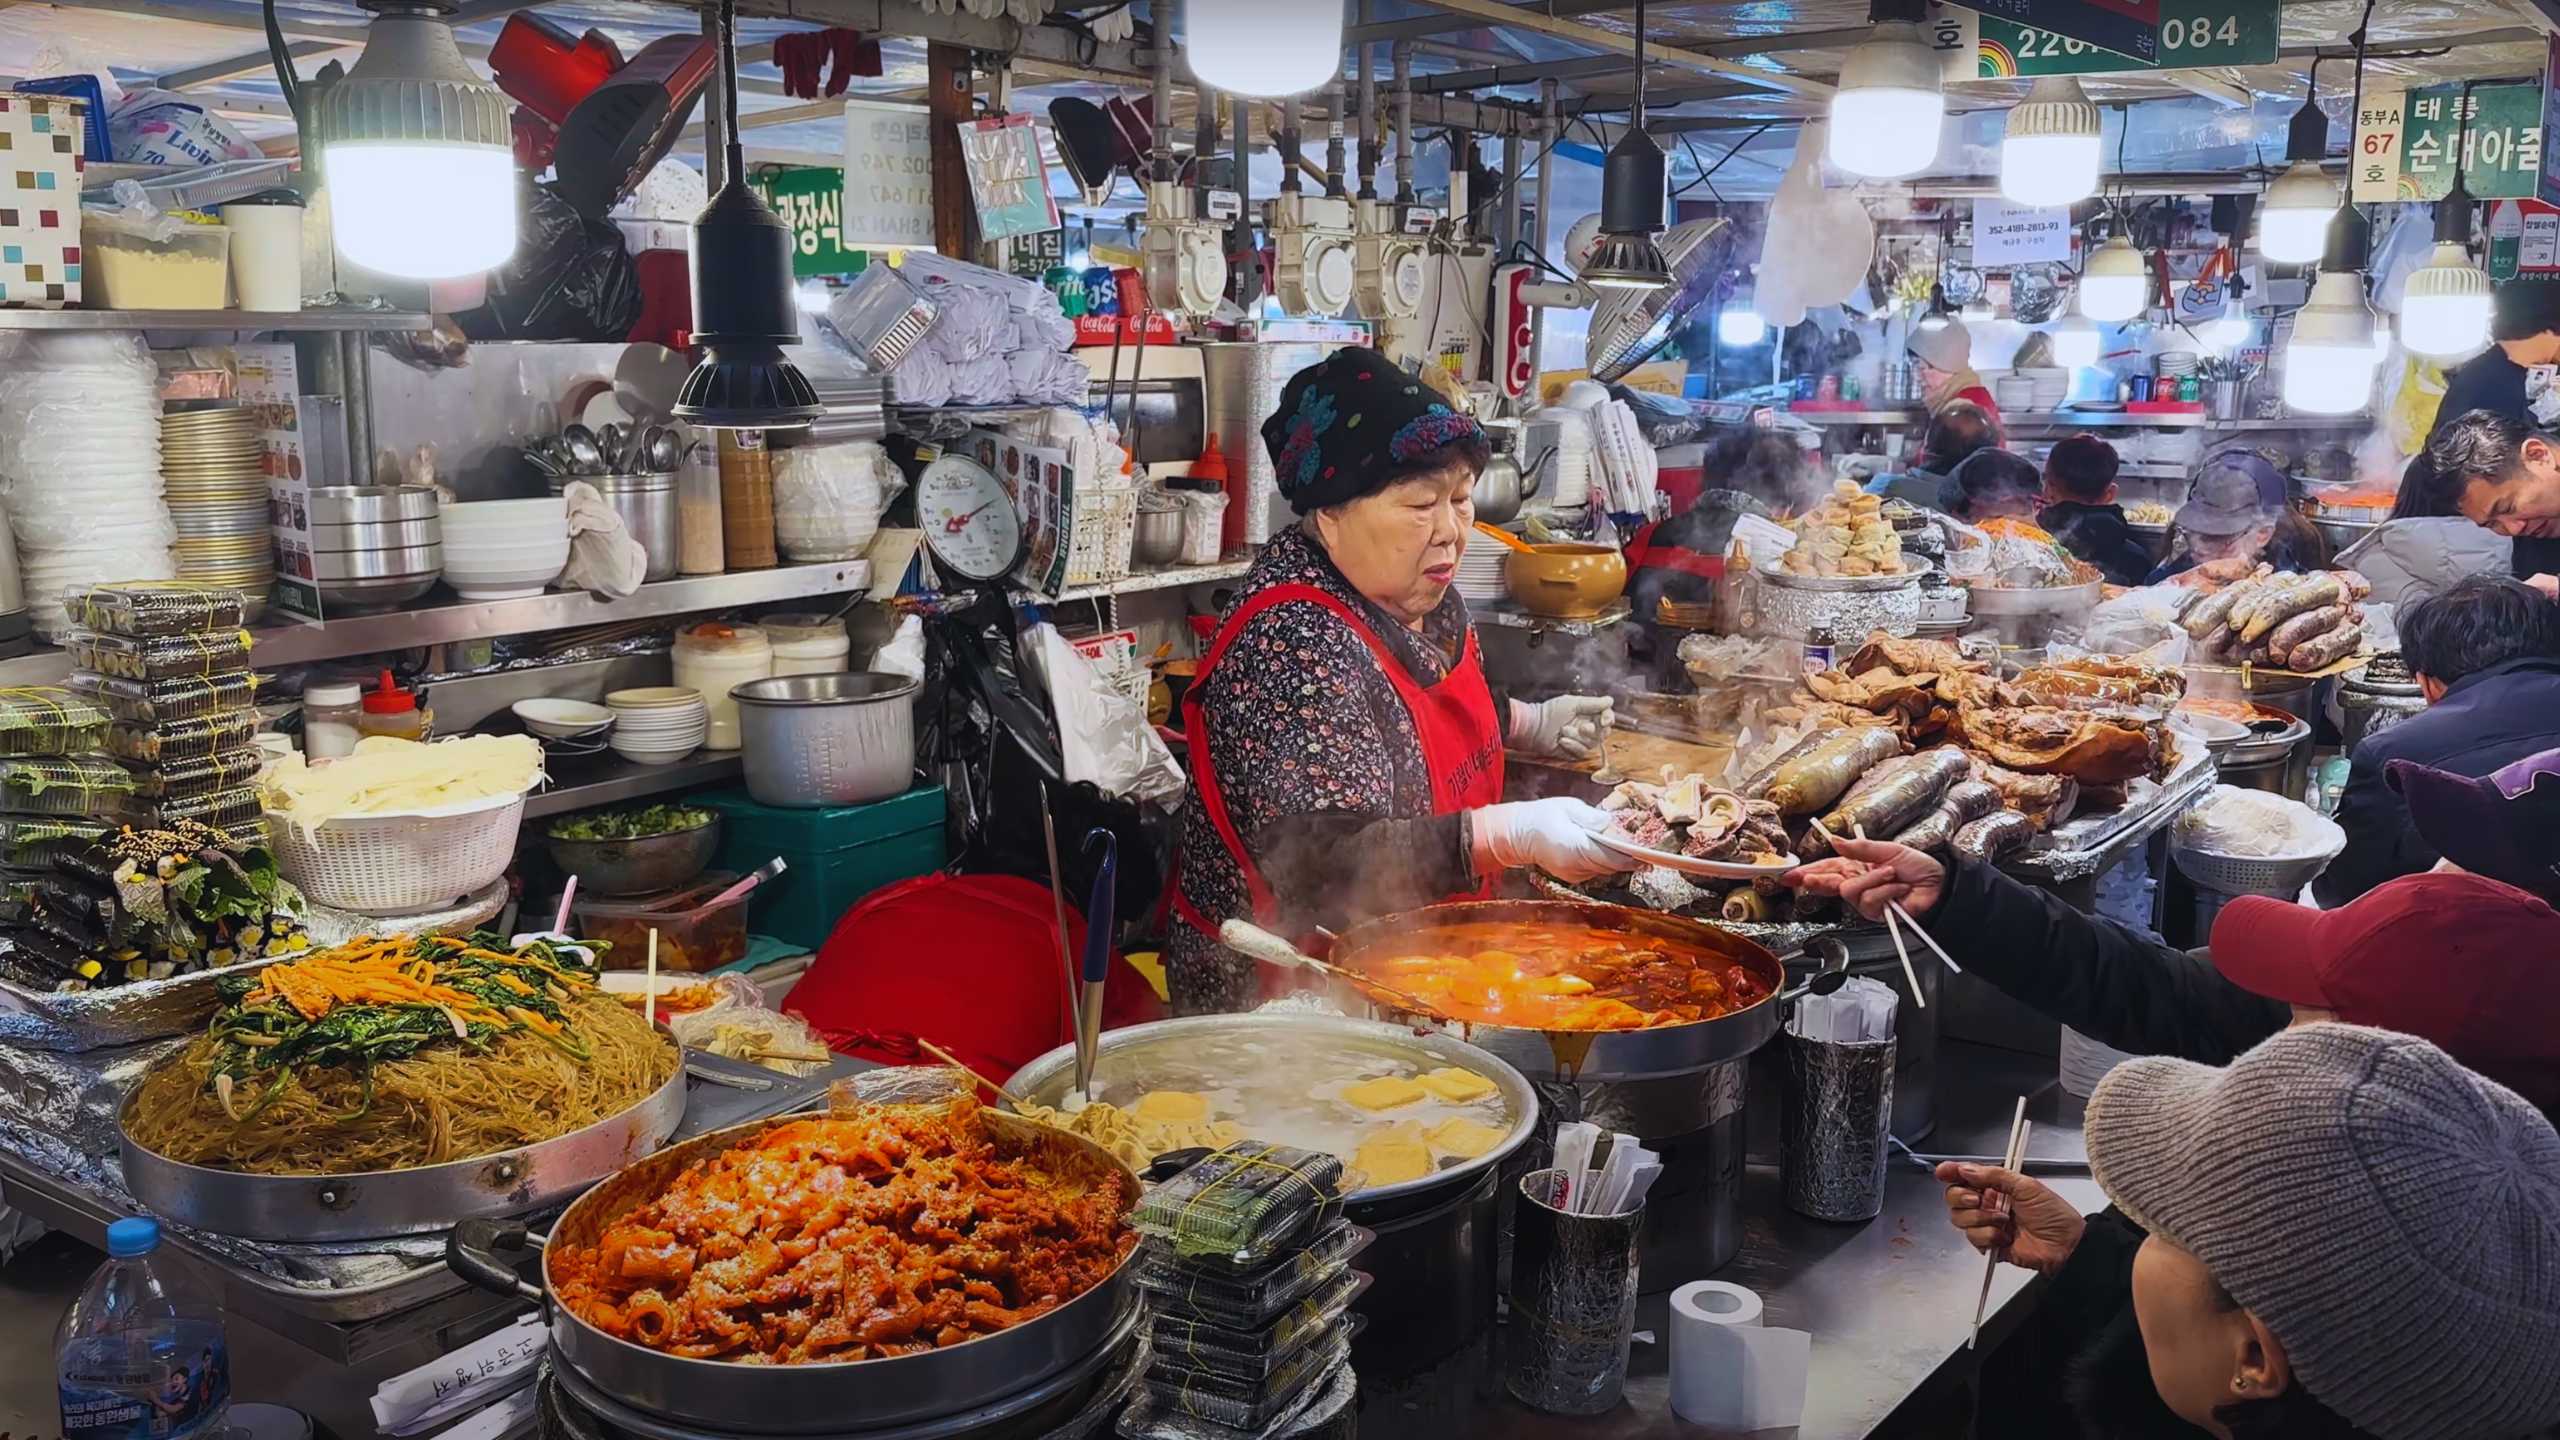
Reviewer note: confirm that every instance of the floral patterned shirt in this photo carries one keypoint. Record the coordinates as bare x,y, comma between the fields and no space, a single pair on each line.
1321,770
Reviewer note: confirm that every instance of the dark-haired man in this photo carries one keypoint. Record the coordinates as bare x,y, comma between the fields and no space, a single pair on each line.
2486,651
2524,330
1956,433
2080,509
2496,470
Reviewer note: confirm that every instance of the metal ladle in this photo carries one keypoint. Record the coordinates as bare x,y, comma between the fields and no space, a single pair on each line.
583,449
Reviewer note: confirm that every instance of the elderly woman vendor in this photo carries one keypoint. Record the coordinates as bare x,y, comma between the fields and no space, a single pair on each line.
1346,752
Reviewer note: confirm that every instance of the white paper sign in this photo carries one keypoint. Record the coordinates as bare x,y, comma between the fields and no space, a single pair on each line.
468,1379
888,176
2006,234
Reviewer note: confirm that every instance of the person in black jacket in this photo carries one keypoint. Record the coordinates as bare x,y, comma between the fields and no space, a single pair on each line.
2486,651
1749,471
2480,984
2081,510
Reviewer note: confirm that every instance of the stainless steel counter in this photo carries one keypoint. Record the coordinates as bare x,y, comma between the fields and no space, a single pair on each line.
1888,1302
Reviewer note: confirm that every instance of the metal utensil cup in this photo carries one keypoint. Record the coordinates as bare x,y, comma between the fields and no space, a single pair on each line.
1832,1123
1573,1302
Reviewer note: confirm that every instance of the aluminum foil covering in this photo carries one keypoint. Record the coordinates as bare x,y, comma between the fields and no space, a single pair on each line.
1573,1303
1832,1124
155,1009
1850,613
2086,844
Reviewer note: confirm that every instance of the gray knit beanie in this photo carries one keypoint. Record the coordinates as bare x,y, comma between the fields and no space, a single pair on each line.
2392,1217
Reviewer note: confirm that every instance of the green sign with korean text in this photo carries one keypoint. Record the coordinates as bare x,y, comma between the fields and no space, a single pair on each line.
2191,33
2406,142
810,199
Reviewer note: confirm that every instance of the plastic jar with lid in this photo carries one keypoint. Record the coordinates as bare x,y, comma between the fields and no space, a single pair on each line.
808,644
329,716
713,657
393,711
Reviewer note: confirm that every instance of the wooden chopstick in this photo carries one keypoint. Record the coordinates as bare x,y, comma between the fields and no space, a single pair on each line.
2016,1154
1892,928
965,1068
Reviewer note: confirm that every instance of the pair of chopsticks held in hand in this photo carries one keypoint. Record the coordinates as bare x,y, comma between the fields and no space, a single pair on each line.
1895,917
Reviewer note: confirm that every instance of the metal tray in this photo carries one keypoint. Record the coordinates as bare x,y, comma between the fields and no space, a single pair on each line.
1837,584
1046,1080
2084,844
376,1204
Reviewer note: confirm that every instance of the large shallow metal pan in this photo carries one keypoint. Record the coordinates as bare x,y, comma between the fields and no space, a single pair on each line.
1590,1054
1046,1080
845,1396
378,1203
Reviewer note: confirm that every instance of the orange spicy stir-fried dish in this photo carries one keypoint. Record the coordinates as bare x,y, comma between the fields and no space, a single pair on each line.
1561,977
874,1233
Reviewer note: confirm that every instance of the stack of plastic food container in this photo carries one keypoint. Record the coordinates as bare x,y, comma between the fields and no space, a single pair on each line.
169,664
1247,1272
51,781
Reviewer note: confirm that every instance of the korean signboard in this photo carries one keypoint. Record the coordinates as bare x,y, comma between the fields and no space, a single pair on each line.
2190,33
810,199
2128,27
2405,142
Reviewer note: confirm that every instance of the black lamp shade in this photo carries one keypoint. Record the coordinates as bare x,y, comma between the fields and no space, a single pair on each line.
1634,186
743,314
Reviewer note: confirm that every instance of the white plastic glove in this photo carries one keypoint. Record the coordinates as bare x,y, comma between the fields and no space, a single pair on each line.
1557,835
1568,725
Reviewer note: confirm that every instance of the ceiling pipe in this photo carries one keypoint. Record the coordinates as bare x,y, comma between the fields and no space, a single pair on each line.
1162,167
1367,111
1403,55
1333,139
1292,151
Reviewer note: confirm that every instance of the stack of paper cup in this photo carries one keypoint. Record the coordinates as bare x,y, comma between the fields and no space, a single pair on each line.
1728,1372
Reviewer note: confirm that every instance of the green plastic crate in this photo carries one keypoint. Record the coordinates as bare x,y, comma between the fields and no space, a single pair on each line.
836,856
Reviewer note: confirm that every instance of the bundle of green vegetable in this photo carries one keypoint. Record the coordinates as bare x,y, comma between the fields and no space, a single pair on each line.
630,824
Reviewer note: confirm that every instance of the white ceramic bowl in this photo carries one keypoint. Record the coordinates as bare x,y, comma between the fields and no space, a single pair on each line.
523,517
661,756
562,719
505,584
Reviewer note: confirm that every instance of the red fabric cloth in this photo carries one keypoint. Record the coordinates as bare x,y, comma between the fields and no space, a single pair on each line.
1460,732
666,299
969,962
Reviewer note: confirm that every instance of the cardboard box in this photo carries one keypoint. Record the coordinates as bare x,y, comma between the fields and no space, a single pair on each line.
41,163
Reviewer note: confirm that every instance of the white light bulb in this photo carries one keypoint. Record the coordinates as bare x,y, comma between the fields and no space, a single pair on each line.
2227,331
1262,48
2113,285
422,211
1890,106
2075,342
2445,309
2329,364
2294,225
1740,325
2049,154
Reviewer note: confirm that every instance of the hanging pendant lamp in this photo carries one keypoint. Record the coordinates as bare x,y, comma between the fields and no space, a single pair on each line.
1262,48
1635,185
1891,103
743,306
416,147
2049,156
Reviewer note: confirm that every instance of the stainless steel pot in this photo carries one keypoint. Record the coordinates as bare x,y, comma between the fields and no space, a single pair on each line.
377,564
367,504
2375,698
647,505
416,1201
1158,539
2273,759
820,740
843,1396
376,535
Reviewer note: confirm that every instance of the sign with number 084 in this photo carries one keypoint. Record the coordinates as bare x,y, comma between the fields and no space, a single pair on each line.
2191,32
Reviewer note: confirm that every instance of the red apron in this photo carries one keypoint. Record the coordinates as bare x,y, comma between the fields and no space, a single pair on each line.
1460,733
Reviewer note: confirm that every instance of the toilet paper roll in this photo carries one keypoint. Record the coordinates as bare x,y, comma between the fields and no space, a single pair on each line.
1728,1371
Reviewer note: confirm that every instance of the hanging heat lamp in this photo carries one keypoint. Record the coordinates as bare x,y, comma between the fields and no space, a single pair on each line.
2329,363
1262,48
743,307
1635,189
1891,102
417,150
2444,310
2049,155
2294,218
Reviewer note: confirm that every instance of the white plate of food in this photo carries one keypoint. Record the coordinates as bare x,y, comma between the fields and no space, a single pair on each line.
1698,865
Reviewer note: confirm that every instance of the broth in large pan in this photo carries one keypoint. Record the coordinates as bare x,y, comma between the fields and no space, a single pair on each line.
1539,975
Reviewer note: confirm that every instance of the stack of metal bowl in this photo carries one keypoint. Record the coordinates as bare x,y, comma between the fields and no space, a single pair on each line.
375,545
212,463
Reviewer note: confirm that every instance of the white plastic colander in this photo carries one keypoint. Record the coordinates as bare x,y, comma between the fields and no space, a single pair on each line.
399,864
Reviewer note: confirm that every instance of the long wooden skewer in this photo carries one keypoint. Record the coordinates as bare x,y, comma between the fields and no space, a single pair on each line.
2016,1154
965,1068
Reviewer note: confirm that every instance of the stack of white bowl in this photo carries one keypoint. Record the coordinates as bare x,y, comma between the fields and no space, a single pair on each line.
2172,366
1480,569
213,463
80,439
2015,392
658,725
2052,386
505,549
1568,484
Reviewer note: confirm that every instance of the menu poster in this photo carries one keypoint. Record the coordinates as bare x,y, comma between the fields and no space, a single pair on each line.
1041,481
1007,177
270,384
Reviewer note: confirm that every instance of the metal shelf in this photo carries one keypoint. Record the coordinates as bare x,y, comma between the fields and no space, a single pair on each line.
1143,580
1511,617
614,779
2101,419
438,624
1853,417
243,320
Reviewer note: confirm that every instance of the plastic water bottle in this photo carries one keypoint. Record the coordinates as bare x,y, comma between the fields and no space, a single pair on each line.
139,1357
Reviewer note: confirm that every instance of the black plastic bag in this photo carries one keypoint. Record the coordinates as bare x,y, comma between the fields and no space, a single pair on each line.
571,279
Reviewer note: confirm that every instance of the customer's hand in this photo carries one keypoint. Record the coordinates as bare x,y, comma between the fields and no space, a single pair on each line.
1558,835
1872,874
2549,585
1568,725
2017,1216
